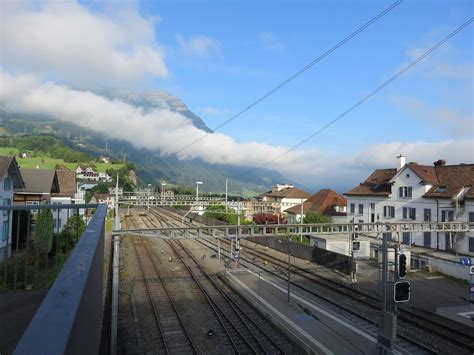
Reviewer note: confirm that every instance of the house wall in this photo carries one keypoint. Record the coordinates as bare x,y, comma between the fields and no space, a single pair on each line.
290,202
441,241
6,197
63,214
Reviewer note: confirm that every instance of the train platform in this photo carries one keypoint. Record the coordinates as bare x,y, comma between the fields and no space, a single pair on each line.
314,328
461,314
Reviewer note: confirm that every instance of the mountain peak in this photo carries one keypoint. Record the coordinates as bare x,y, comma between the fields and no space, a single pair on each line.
149,100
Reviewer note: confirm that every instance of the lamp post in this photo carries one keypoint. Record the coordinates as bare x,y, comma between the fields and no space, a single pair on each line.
197,194
197,190
163,184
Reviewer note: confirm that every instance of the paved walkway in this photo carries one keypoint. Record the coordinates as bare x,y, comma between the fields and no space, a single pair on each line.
311,325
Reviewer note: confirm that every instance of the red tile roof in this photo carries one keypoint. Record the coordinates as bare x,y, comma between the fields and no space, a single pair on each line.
377,184
322,202
451,178
289,192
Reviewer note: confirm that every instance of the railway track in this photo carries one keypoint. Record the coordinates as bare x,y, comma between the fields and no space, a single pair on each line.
244,335
437,328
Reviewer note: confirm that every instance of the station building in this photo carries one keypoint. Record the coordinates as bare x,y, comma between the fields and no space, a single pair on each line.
418,193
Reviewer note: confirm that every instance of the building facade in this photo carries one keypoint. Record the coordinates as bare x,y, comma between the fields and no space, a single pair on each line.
10,179
418,193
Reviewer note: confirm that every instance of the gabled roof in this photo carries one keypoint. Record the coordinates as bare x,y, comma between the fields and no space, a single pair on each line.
289,192
9,165
322,202
377,184
67,183
39,181
447,180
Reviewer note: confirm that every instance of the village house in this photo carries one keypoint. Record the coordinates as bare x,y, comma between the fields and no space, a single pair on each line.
10,180
418,193
67,194
108,199
325,202
279,199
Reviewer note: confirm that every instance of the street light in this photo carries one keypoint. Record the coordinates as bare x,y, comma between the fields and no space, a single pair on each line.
163,184
197,190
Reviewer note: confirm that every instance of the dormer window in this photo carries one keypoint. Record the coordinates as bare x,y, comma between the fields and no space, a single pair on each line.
441,189
405,191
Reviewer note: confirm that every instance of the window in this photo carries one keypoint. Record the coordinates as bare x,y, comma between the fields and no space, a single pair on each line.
6,202
372,206
471,216
353,207
361,208
405,191
447,216
409,213
389,211
33,203
427,214
471,245
406,238
7,184
4,231
427,239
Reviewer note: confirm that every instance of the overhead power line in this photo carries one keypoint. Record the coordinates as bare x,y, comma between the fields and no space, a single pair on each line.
295,75
367,97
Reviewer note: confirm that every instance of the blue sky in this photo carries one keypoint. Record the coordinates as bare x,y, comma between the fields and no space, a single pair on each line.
218,57
261,43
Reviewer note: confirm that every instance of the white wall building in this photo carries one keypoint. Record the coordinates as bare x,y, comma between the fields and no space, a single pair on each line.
418,193
10,179
283,197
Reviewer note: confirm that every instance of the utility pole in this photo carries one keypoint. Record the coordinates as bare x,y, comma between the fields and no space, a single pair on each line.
115,275
301,222
226,202
388,321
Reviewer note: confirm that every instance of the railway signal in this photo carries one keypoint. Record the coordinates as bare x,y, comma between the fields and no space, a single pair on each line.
402,266
356,246
401,291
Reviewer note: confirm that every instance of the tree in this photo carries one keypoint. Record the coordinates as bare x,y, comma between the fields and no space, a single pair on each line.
44,231
311,217
71,232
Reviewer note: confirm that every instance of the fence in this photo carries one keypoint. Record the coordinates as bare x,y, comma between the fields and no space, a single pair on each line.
36,241
70,318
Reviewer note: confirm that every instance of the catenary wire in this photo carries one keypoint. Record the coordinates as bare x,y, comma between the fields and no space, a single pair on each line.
294,76
365,98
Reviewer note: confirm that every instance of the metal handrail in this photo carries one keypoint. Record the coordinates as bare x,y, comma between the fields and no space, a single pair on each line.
70,318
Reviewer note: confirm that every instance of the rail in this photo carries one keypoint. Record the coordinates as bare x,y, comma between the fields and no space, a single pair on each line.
70,318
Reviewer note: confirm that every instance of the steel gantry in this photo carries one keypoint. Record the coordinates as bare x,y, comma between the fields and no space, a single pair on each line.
285,230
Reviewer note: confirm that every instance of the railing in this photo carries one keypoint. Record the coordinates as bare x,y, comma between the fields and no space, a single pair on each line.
33,251
286,230
70,318
50,243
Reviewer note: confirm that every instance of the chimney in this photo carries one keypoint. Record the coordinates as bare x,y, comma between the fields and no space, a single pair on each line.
401,161
440,162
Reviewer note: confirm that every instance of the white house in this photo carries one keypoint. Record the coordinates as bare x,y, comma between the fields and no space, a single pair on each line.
414,192
10,179
67,194
283,197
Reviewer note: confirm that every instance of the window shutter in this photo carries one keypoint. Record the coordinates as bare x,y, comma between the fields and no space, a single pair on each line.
404,212
409,191
385,211
400,191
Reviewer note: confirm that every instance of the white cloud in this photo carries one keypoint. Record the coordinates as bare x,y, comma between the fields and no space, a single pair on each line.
200,46
169,131
213,111
66,40
270,42
449,120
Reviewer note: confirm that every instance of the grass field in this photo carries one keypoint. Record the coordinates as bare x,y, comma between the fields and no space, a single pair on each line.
45,162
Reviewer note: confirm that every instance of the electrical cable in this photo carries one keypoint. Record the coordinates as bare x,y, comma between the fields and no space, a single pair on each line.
365,98
292,77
